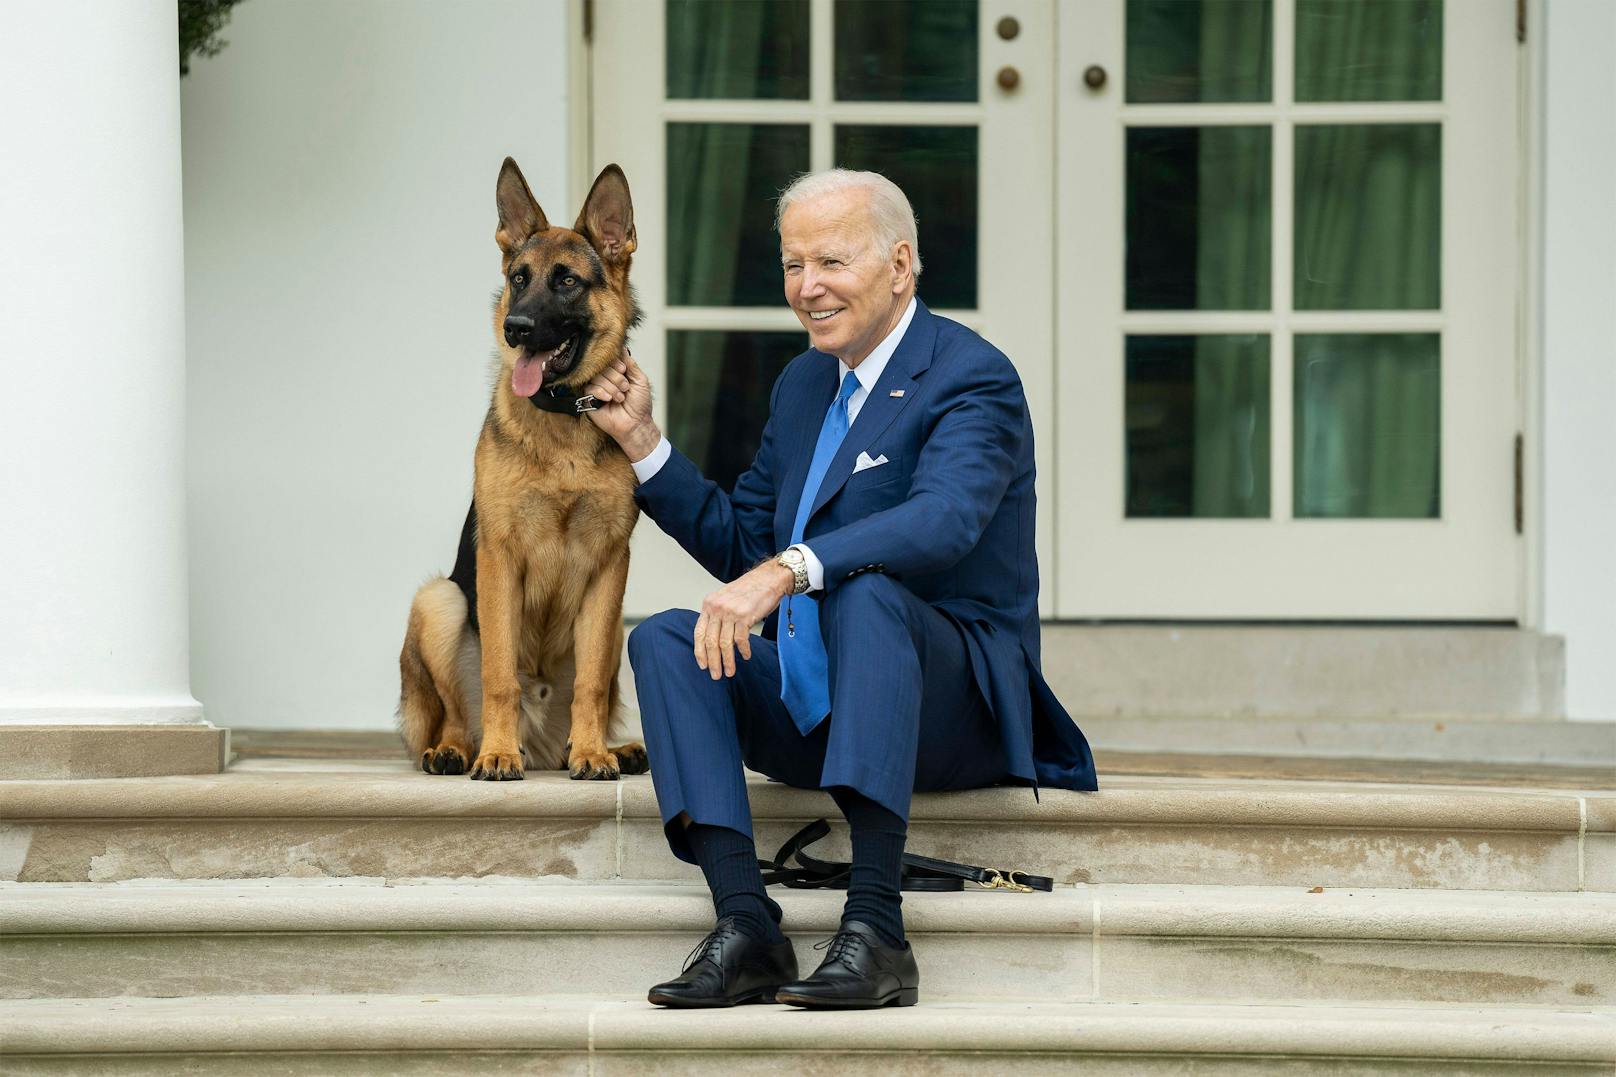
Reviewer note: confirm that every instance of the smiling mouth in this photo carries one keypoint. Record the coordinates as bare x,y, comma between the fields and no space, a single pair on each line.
534,369
821,315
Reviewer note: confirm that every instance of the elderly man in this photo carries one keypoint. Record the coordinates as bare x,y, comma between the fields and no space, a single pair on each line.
884,533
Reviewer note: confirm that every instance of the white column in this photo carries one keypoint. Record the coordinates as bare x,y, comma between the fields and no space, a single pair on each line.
93,603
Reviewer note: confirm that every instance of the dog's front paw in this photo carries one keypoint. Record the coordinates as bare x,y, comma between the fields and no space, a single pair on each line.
598,766
495,766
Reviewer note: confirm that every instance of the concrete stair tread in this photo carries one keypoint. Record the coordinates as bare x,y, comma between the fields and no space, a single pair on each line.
375,788
582,1024
628,907
1263,749
1077,944
352,818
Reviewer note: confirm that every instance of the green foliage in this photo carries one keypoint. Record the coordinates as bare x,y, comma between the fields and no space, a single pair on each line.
200,23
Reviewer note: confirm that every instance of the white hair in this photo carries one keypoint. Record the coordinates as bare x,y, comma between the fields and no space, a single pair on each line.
890,212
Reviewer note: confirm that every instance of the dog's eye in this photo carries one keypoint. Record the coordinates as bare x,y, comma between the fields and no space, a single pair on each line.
519,279
568,282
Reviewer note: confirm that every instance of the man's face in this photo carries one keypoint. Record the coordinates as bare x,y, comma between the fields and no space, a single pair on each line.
847,291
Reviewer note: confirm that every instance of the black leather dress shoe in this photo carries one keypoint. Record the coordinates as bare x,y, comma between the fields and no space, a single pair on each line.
860,972
727,968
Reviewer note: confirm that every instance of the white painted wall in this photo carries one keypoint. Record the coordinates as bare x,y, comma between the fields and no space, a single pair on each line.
340,161
92,366
1579,348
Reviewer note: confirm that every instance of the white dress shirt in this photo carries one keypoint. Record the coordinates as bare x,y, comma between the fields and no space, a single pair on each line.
868,373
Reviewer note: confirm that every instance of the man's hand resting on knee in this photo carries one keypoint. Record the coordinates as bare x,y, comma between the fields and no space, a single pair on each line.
728,614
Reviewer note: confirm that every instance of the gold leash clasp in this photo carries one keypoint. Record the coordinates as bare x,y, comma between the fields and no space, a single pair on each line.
999,880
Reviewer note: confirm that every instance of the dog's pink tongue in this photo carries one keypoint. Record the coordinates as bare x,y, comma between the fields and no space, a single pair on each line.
528,375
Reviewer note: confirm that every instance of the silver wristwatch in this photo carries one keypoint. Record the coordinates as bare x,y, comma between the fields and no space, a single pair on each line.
792,558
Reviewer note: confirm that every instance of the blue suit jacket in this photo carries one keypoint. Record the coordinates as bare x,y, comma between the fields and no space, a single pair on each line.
950,514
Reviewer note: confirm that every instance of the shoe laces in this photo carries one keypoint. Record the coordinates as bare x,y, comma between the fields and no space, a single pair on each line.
842,945
710,947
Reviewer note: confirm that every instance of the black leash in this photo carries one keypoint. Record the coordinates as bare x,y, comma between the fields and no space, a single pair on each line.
919,872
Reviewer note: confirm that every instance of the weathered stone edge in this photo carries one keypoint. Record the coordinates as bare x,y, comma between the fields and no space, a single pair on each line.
377,1022
88,752
1587,919
1141,801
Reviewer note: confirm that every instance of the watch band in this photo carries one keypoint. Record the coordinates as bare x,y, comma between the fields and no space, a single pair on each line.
799,569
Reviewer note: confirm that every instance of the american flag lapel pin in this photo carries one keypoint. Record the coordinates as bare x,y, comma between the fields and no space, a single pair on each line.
897,392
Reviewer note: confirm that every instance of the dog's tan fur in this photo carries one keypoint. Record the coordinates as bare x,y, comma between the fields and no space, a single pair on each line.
554,500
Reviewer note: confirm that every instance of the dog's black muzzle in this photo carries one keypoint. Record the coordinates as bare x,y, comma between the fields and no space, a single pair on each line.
518,330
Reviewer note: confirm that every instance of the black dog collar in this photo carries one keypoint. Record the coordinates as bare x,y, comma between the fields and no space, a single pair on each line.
559,399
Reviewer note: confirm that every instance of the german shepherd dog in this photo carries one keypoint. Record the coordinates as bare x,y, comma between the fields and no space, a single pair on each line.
512,660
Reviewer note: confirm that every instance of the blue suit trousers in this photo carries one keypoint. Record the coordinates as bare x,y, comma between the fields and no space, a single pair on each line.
906,714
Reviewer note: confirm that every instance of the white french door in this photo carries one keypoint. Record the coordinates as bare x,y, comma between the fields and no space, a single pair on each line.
1256,261
1286,309
711,108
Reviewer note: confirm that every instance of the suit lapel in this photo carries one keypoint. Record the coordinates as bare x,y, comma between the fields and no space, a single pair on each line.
807,413
911,358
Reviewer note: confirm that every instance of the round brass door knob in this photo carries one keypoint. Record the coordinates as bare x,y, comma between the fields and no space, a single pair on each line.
1094,76
1008,28
1009,78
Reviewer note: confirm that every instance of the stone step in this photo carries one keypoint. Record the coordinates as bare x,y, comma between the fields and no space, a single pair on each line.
1589,746
1077,944
268,818
1330,672
572,1034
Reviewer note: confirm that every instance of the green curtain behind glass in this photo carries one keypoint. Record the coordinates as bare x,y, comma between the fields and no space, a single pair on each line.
1367,418
1231,426
1371,237
717,161
1234,236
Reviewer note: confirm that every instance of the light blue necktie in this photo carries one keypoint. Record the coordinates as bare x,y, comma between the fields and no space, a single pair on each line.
804,684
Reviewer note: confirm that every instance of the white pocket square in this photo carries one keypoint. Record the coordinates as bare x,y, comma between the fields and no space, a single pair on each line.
864,462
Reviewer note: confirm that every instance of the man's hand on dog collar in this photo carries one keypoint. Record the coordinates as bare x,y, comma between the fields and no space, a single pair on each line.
623,396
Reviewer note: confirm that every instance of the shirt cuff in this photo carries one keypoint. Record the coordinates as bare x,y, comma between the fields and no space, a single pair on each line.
645,469
816,571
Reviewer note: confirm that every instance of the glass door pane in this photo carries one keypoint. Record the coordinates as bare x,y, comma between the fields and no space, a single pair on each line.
887,51
737,49
1368,201
715,380
1199,218
1368,427
1197,425
1180,50
1368,50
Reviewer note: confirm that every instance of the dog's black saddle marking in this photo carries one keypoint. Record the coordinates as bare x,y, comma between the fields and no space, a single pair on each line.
465,567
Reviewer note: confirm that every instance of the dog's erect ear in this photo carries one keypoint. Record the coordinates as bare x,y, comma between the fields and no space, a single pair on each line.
607,219
519,214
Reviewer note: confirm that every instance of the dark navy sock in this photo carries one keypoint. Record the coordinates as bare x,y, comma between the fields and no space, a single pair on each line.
872,892
729,861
